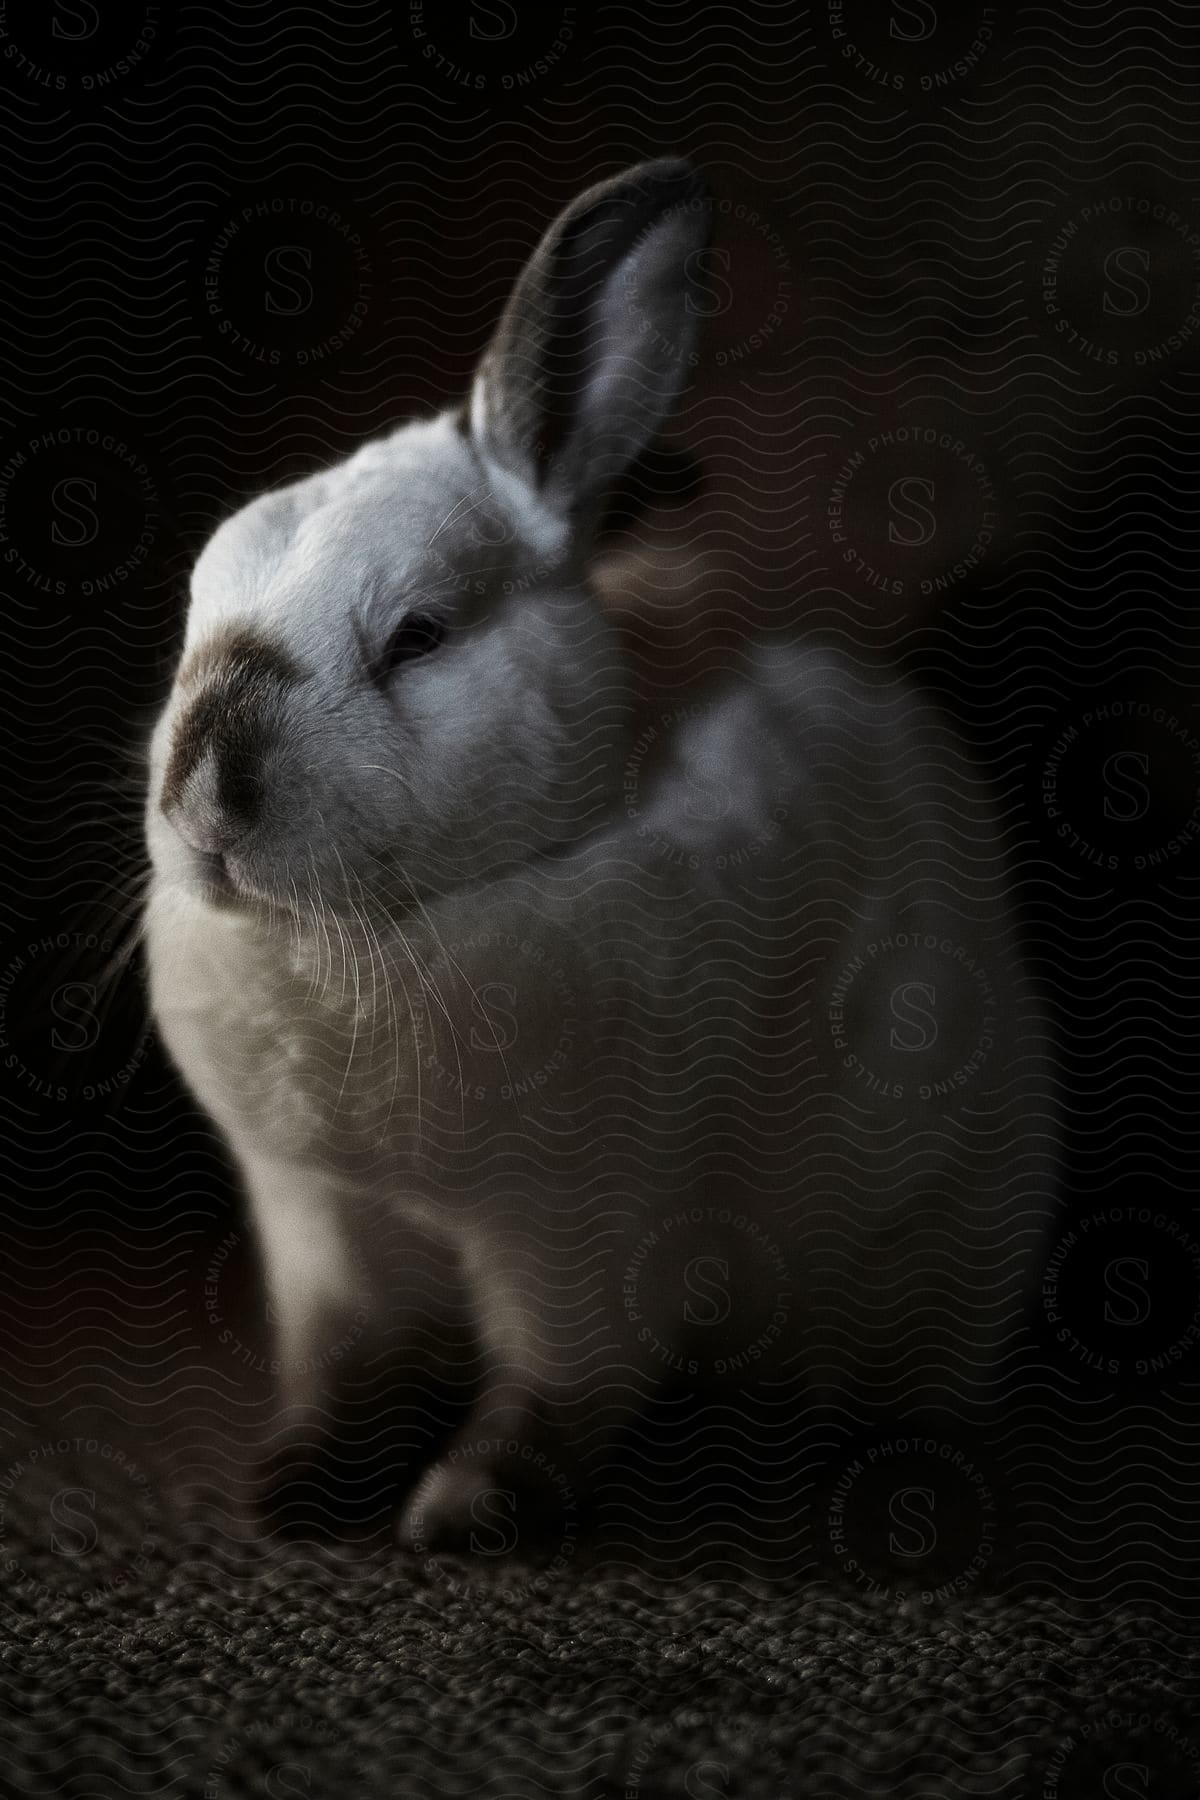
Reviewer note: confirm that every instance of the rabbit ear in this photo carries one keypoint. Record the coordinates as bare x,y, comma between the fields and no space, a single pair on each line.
596,339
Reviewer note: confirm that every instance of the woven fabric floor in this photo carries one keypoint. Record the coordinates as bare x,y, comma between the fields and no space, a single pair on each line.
152,1646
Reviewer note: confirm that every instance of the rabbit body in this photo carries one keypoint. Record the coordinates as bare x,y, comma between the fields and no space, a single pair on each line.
700,1041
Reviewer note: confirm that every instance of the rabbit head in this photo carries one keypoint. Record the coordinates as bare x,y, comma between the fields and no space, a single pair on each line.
394,681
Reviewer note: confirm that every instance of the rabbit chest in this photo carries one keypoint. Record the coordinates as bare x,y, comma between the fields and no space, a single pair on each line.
387,1055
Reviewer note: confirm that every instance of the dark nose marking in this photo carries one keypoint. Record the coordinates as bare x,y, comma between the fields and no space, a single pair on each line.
241,679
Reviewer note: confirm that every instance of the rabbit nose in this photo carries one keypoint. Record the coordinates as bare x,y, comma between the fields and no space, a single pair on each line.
212,791
213,788
209,812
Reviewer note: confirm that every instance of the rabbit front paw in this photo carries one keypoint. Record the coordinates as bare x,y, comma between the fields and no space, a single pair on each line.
511,1494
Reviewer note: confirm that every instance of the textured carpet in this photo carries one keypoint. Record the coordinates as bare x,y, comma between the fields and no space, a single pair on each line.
151,1645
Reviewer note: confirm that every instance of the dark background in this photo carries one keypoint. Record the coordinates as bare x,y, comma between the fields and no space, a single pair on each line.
233,253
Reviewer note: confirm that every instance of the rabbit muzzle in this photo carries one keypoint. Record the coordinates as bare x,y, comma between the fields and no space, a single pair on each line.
213,790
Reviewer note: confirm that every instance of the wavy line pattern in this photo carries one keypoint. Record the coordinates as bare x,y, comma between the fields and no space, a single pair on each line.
940,426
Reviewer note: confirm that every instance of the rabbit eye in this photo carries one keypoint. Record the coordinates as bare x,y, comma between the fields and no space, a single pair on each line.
417,636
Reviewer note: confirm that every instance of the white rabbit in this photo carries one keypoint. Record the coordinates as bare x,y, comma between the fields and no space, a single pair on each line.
709,1016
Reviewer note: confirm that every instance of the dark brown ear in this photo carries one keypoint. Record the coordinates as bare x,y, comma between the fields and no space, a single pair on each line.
597,338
